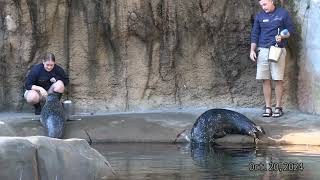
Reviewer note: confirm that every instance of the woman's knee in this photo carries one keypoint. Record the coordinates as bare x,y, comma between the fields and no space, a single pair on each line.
58,86
32,97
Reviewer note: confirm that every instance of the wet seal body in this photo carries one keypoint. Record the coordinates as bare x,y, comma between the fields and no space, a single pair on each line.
52,116
216,123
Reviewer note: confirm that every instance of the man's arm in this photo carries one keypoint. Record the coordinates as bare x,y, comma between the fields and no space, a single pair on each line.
253,55
254,39
255,31
289,26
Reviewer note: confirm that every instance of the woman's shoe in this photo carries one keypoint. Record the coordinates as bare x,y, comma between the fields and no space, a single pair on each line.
37,109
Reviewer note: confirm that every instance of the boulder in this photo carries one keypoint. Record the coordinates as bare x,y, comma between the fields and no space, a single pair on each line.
38,157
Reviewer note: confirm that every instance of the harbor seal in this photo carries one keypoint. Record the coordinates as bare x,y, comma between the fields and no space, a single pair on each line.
52,116
217,123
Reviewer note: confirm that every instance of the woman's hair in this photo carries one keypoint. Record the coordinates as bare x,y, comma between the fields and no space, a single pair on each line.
49,57
277,2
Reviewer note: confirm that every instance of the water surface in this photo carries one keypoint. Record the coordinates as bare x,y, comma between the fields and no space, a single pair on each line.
181,161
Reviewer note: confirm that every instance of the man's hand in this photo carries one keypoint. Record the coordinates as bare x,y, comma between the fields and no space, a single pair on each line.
278,38
253,55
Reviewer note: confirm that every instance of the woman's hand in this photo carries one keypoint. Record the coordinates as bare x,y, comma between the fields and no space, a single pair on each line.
43,92
53,80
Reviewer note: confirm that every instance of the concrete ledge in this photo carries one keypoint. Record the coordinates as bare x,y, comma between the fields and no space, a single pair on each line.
162,126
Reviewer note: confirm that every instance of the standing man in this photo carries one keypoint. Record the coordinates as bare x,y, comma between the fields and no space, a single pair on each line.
46,77
265,34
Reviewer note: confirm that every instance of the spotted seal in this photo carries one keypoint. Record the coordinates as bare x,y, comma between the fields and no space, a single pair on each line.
52,116
216,123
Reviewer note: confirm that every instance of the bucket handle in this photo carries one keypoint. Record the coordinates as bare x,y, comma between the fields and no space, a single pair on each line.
278,35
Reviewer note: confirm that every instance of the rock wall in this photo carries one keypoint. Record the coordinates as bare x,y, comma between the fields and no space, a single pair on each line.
308,15
2,58
137,54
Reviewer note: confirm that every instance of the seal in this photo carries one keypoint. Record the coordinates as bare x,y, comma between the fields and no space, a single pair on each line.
52,116
217,123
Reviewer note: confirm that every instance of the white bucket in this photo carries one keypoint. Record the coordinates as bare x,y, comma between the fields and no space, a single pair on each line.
68,108
274,53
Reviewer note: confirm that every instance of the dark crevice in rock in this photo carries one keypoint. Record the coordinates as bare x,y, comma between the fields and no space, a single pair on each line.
168,41
17,4
60,158
201,7
66,42
177,89
204,5
294,47
114,58
37,166
127,103
152,36
168,47
294,77
2,57
91,20
174,59
89,137
109,165
36,28
117,37
149,65
219,56
56,13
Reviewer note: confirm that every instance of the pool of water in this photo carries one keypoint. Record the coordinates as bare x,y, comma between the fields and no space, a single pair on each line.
182,161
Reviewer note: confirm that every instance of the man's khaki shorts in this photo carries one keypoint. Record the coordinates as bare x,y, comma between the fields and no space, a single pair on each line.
270,70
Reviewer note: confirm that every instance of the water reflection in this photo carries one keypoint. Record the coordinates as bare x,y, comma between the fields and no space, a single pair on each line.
186,161
218,155
249,162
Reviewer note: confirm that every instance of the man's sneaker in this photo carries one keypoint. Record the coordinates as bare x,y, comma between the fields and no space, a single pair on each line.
37,109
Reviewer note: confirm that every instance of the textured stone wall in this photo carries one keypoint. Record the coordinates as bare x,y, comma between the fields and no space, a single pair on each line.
2,57
137,54
308,15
